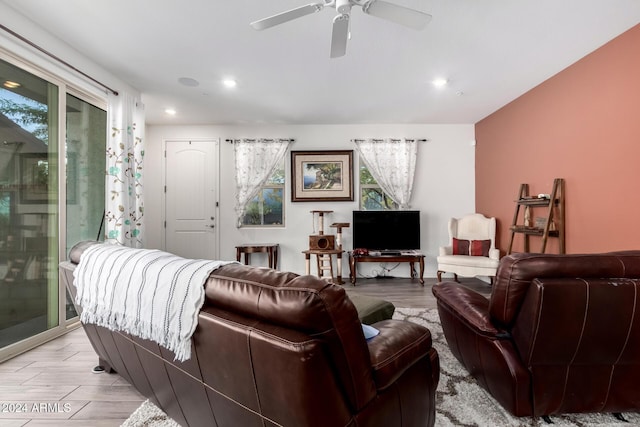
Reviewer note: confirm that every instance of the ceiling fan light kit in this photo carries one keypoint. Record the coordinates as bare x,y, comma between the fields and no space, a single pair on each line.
340,34
343,6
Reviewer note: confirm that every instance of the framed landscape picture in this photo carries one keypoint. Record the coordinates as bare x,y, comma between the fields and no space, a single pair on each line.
322,176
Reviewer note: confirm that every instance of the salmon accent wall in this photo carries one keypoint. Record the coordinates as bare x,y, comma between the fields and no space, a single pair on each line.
583,125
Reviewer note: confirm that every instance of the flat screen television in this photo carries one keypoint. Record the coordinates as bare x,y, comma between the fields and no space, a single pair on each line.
386,230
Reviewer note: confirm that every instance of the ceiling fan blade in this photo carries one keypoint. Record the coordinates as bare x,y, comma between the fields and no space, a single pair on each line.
289,15
399,14
339,35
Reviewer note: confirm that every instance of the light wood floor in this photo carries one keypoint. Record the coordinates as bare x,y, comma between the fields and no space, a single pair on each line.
408,293
52,385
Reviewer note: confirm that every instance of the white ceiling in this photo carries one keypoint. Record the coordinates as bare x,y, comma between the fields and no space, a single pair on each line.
491,52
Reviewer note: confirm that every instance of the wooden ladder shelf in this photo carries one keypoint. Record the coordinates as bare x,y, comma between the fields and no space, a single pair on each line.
552,224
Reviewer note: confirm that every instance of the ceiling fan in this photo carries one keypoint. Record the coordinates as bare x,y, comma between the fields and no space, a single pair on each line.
399,14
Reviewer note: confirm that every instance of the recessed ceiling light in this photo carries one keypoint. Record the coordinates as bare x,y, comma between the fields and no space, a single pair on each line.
11,85
188,81
230,83
440,82
170,111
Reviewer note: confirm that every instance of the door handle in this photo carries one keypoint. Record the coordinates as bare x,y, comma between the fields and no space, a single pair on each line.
210,226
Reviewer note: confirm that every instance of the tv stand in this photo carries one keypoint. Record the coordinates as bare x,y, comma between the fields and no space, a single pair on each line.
387,253
404,256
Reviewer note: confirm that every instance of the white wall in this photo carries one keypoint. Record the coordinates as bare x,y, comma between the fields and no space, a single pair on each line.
444,186
33,32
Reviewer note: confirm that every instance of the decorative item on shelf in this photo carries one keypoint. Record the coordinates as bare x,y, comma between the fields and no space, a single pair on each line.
541,222
527,217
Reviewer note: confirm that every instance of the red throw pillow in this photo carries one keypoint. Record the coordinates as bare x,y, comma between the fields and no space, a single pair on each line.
460,247
479,247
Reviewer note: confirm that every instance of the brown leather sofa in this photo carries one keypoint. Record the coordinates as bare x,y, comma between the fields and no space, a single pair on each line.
559,334
277,349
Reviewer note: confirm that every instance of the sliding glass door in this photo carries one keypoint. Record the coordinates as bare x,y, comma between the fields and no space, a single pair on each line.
52,172
85,171
29,214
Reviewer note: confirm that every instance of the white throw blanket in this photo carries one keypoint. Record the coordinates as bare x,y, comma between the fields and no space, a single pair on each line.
147,293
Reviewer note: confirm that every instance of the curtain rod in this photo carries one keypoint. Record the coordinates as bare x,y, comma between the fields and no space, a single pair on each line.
391,139
51,55
257,139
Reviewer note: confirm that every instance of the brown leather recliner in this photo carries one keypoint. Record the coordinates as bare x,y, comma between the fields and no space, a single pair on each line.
274,348
559,334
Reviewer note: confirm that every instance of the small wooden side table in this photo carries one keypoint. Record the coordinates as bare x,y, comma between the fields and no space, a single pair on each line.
248,248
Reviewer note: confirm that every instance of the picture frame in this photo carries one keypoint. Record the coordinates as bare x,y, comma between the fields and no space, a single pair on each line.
325,176
34,178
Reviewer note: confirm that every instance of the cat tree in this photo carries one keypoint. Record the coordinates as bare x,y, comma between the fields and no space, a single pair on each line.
324,247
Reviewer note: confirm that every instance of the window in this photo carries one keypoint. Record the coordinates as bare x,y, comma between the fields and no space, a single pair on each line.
372,198
267,209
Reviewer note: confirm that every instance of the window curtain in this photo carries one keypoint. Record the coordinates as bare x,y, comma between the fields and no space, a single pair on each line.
392,162
124,214
255,161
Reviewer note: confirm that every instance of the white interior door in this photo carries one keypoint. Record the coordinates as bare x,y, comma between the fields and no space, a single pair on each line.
191,198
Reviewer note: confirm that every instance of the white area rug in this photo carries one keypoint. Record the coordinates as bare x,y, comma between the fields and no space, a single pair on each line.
459,400
149,415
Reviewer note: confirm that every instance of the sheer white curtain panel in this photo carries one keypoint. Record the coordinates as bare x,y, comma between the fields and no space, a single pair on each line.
255,161
392,162
124,214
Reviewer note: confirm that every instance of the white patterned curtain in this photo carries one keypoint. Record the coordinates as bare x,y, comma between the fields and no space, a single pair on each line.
392,162
124,215
255,161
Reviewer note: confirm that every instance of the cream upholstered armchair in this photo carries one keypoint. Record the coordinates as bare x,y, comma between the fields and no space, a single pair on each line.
471,251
